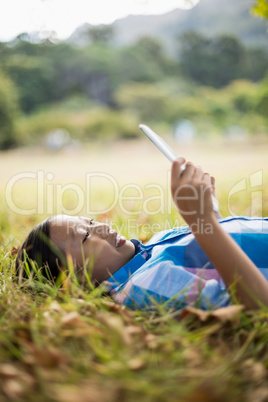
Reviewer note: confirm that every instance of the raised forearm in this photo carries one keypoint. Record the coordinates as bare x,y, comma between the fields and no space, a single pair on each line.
191,193
233,265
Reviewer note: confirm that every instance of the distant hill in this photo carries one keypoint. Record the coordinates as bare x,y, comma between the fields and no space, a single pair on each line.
210,17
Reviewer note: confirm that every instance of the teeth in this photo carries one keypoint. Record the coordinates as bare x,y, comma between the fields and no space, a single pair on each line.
118,238
117,241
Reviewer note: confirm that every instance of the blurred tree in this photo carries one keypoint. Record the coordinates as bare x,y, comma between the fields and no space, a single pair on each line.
151,47
146,100
109,124
8,111
101,33
262,104
213,62
256,64
62,56
30,67
34,78
195,57
139,78
134,64
153,52
243,95
229,60
23,44
2,47
90,72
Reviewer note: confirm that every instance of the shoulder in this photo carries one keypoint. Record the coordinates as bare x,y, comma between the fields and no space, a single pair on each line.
168,234
245,224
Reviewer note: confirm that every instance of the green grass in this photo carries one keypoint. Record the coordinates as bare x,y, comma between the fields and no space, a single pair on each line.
63,344
74,344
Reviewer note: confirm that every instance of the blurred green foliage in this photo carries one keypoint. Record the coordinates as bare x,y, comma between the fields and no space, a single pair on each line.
261,8
143,99
87,123
99,90
8,111
220,60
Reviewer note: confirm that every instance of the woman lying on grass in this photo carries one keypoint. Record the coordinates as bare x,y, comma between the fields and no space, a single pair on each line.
187,265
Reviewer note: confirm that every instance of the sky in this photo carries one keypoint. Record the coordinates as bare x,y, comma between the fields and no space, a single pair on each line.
64,16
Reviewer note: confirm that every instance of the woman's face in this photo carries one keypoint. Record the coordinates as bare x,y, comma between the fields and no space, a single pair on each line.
94,244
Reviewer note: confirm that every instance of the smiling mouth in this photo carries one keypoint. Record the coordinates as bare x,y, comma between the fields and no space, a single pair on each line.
120,241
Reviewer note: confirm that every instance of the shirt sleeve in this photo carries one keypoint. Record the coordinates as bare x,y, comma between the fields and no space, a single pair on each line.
165,283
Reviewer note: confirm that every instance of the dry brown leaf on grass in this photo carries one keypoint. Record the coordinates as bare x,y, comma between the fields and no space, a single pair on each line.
257,395
72,320
125,313
136,363
133,330
81,394
73,325
208,392
134,336
129,334
151,341
111,306
8,370
223,314
114,324
192,357
14,382
49,319
13,389
229,313
55,307
112,321
188,311
253,371
88,392
49,357
87,309
80,332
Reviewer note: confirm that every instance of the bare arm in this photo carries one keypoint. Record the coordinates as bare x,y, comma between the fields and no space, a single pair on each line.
234,265
192,196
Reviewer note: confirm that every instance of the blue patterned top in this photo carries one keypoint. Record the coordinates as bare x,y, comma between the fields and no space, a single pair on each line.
172,269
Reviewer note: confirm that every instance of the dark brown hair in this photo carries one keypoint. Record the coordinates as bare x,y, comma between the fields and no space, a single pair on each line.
38,249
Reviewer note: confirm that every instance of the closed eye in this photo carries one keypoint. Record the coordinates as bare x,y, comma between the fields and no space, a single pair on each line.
85,238
87,234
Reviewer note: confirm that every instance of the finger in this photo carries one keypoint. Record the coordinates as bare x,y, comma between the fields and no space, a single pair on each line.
198,174
207,179
189,170
213,181
176,167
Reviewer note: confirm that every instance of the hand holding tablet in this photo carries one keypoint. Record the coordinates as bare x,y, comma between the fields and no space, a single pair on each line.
169,153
